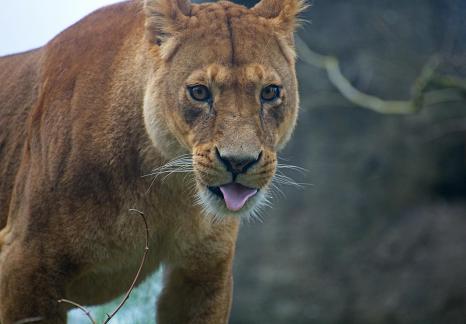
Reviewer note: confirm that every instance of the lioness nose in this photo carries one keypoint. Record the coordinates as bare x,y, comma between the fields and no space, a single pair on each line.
238,163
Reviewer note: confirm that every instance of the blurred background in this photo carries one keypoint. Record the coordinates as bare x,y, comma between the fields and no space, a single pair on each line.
380,235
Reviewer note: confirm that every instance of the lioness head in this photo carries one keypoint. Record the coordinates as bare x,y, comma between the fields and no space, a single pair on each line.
225,92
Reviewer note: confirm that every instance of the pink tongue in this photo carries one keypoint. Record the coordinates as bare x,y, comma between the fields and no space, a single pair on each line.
236,195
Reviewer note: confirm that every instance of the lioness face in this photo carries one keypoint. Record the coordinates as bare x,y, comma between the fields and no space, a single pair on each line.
226,92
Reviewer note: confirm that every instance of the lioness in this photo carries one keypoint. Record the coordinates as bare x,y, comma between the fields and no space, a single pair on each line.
210,87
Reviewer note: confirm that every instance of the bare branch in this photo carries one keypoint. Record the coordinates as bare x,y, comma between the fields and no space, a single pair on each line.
448,81
84,309
427,78
146,250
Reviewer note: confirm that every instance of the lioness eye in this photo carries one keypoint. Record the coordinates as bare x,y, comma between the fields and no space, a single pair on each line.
270,93
199,93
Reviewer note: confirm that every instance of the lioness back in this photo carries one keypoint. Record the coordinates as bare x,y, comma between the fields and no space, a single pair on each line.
18,90
75,64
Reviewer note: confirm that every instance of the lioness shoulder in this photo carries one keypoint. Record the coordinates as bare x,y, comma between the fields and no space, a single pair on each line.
172,108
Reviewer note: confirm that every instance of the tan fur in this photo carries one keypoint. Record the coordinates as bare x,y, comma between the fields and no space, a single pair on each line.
105,102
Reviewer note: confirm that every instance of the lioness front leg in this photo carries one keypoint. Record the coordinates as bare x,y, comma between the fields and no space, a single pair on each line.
188,298
30,286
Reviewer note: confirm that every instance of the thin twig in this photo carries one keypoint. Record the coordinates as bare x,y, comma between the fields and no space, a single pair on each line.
128,293
146,250
84,309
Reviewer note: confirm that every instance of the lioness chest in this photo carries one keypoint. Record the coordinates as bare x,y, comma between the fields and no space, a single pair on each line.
114,253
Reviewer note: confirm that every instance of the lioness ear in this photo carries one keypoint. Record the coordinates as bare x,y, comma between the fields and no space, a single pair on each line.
284,13
165,18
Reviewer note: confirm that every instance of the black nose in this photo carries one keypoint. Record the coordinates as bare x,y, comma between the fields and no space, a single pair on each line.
238,164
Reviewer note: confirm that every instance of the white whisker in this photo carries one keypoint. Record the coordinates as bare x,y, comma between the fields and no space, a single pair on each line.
276,189
296,168
280,178
182,164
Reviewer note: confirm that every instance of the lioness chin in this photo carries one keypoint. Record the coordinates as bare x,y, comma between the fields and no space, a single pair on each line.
204,95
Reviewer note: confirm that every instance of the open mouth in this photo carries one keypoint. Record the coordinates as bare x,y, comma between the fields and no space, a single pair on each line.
235,195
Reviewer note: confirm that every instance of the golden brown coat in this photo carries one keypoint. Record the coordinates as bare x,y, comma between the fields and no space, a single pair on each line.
106,101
